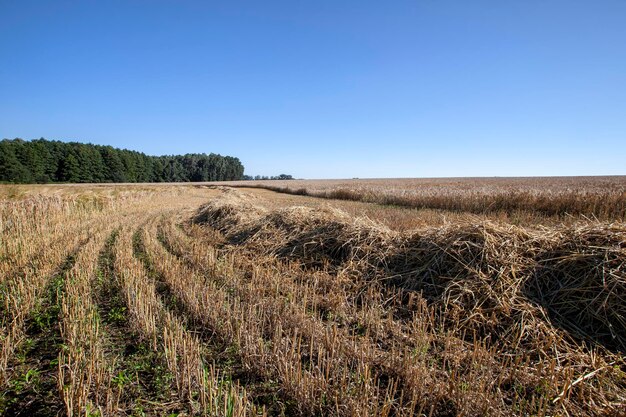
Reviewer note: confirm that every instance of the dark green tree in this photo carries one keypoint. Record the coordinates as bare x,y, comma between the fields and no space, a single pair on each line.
53,161
70,168
11,169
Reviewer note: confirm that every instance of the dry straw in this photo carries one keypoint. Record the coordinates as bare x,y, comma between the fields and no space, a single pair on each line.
543,297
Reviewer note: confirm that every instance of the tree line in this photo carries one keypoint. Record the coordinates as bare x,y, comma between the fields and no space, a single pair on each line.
265,177
45,161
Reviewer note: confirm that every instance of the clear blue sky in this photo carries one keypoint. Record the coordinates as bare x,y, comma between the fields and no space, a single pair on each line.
327,88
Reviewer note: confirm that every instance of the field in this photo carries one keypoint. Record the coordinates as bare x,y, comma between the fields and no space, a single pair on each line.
490,297
510,198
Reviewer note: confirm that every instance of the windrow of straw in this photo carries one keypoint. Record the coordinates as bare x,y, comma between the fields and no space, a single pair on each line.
511,284
581,280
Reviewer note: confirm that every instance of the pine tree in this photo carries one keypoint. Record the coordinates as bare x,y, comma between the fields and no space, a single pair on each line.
53,161
11,169
70,168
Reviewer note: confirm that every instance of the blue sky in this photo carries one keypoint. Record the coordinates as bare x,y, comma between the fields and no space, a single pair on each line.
327,88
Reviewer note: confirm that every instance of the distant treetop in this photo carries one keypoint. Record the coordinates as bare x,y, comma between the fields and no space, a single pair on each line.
265,177
44,161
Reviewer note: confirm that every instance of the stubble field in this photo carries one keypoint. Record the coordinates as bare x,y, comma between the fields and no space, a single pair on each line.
212,300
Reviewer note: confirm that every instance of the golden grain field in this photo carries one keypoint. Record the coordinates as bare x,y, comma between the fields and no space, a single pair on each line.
538,197
474,299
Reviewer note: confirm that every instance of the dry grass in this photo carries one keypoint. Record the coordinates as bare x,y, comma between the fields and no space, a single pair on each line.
481,283
190,300
594,197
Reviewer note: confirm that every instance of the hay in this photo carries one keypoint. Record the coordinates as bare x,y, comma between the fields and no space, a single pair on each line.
233,210
513,285
314,237
581,280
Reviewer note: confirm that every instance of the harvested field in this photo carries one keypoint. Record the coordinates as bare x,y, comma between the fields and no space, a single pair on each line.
520,199
220,301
